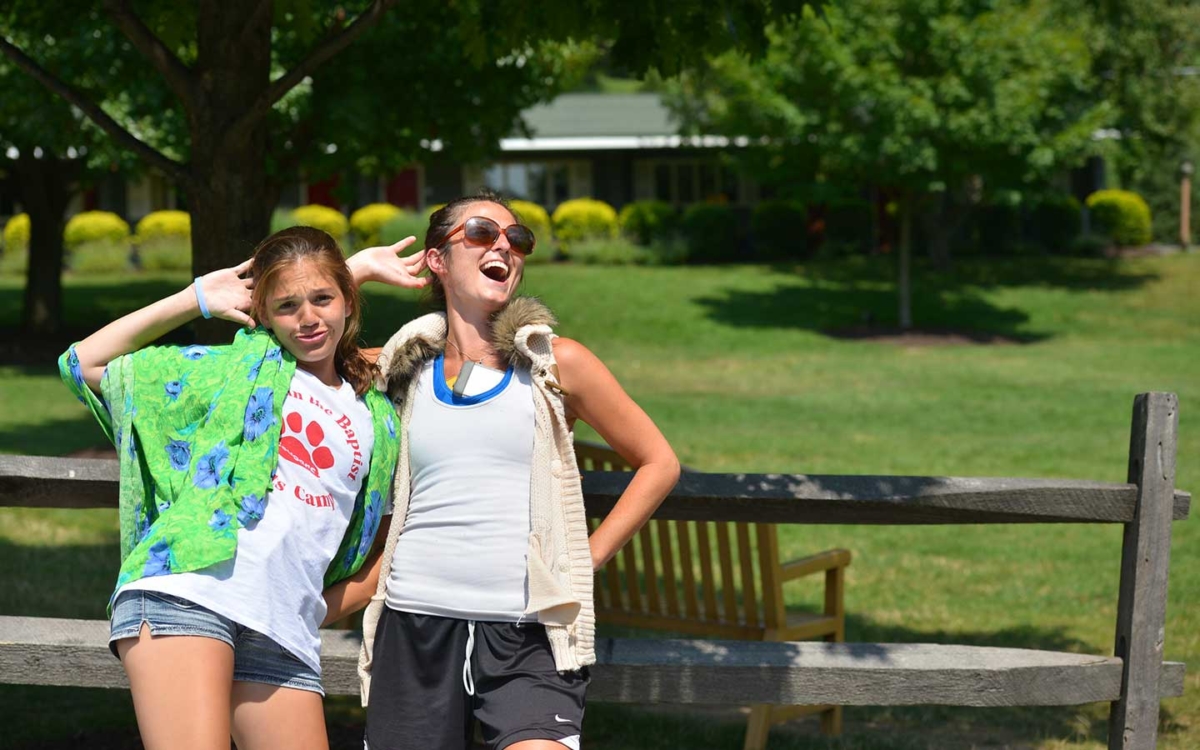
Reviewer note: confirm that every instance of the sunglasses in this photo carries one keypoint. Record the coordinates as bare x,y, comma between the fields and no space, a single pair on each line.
480,230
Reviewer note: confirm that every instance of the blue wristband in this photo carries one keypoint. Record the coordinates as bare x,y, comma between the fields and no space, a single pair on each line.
200,299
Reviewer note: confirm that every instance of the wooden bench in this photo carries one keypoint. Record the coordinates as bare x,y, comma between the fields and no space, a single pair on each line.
665,579
47,651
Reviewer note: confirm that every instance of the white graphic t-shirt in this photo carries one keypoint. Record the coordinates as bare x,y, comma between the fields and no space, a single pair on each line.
274,583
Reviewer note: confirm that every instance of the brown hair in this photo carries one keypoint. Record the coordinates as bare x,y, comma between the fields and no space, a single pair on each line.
295,244
441,222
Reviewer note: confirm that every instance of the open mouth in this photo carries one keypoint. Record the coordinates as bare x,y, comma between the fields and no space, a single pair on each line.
495,270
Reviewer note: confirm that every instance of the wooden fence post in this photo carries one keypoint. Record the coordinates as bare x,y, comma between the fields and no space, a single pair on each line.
1145,553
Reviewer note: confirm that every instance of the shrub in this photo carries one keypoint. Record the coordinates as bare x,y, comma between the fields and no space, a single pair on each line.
848,227
165,254
535,217
645,222
612,251
711,232
780,229
1054,222
997,227
402,225
16,233
367,221
161,224
94,226
583,218
668,251
15,260
100,256
1090,245
281,218
1121,215
324,218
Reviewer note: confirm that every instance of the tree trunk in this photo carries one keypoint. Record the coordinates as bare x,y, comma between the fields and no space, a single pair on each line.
44,187
229,201
904,284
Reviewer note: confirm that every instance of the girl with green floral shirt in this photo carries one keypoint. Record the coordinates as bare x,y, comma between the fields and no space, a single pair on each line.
254,477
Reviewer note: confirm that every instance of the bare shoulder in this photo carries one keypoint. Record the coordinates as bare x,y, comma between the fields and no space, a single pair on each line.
570,353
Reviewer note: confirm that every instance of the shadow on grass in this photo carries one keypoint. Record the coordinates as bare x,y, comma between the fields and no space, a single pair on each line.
1104,274
54,437
843,311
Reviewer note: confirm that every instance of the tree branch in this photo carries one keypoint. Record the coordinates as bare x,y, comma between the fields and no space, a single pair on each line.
177,75
76,98
329,47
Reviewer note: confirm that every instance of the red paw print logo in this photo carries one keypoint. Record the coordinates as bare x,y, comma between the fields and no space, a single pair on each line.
307,452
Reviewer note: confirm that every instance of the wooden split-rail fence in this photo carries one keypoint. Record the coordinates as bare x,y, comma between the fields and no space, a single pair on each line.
65,652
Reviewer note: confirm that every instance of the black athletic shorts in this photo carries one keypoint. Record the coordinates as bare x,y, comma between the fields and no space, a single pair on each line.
418,697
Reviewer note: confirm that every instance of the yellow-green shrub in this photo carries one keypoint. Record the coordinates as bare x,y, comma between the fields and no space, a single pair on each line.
16,233
324,218
94,226
14,261
584,218
100,256
402,225
161,224
1122,215
368,220
535,217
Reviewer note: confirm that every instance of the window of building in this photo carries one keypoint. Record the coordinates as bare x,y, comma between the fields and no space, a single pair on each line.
546,183
684,181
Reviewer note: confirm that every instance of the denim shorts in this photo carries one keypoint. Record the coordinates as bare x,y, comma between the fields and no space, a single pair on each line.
256,658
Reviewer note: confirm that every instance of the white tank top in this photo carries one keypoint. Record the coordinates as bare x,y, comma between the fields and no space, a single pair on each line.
462,549
274,583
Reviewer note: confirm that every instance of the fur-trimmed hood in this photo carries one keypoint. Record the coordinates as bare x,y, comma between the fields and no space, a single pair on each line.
424,338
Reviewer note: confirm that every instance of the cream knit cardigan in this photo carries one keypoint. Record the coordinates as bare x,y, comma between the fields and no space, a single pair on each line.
559,560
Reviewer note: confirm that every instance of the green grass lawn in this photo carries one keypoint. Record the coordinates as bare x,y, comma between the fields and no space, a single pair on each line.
742,369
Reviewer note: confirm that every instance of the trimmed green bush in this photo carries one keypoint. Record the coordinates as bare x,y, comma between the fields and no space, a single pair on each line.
402,225
997,227
101,256
847,229
1121,215
780,229
165,254
16,233
1054,222
94,226
645,222
281,218
324,218
162,224
367,222
711,231
581,219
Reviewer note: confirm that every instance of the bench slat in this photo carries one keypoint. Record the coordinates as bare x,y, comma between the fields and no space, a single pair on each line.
52,651
43,482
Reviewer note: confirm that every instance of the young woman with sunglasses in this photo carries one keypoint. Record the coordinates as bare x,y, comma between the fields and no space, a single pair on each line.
483,607
252,475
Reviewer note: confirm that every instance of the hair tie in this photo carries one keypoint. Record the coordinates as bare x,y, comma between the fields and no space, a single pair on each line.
200,299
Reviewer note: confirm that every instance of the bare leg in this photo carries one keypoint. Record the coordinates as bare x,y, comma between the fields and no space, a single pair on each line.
267,717
536,745
181,687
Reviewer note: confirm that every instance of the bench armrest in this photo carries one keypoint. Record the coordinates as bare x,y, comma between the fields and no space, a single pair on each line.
820,562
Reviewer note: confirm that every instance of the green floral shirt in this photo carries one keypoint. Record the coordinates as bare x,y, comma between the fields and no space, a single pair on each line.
197,434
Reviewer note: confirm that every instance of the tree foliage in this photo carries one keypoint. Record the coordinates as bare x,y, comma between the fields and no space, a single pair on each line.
937,101
258,89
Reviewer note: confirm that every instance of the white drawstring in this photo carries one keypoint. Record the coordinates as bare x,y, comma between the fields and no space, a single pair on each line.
468,680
